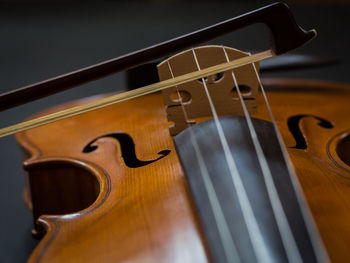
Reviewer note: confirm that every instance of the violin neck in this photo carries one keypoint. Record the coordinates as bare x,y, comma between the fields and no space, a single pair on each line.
243,215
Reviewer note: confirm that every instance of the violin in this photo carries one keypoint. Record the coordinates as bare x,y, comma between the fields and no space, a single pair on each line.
211,163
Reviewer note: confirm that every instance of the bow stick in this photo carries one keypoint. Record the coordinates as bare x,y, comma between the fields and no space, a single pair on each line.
286,35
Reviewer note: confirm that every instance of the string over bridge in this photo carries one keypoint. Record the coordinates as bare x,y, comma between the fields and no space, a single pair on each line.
220,85
286,35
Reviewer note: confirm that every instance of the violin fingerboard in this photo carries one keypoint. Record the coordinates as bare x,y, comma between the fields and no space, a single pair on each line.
220,179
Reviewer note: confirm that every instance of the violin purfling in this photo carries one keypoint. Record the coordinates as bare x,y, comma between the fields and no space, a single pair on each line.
205,171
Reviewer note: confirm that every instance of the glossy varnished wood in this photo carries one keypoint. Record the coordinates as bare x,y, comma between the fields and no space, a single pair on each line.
325,184
142,214
145,214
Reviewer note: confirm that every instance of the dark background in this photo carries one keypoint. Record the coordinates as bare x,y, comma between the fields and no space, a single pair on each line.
41,40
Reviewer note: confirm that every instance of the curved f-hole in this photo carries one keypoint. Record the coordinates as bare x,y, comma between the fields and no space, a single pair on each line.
184,96
244,89
343,148
127,146
293,123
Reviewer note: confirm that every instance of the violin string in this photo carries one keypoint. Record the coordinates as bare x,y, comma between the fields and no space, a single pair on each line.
316,242
131,94
229,247
259,247
287,237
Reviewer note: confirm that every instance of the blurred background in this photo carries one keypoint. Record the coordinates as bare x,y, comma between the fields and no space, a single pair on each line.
42,39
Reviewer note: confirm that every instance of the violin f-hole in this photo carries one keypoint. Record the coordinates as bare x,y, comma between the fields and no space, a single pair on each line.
127,147
293,123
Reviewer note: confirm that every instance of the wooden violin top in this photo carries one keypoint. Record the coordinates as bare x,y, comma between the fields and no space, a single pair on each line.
33,25
143,210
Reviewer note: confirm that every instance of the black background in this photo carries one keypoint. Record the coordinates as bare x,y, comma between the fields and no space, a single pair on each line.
42,40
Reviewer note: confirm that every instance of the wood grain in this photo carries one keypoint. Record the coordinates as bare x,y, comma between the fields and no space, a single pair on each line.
145,214
136,210
127,95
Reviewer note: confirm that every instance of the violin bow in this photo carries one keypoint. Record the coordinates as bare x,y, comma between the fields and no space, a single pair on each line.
286,35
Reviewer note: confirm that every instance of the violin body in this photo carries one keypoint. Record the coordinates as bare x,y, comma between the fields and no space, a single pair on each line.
108,186
198,173
145,206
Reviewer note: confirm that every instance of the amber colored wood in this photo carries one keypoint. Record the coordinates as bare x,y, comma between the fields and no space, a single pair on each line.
131,94
141,214
325,184
220,86
145,214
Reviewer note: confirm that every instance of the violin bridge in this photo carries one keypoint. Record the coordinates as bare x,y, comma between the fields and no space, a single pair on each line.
194,103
